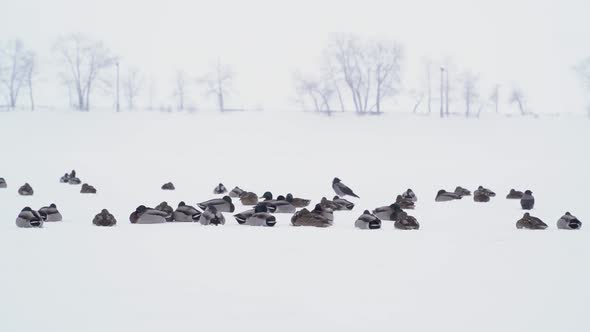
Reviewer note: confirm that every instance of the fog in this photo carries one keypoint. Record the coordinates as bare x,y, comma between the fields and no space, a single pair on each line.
530,44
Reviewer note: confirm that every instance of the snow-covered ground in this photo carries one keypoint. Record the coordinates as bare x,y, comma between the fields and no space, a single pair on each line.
467,269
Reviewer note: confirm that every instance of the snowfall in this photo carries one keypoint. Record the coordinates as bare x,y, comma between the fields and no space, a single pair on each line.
467,269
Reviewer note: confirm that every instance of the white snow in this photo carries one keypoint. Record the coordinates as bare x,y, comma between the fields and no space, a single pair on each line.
467,269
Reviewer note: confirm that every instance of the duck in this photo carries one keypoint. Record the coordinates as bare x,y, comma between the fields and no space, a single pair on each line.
342,204
87,189
514,194
527,202
311,218
2,183
407,223
445,196
243,216
220,189
568,221
65,178
260,217
74,181
462,191
50,213
391,212
236,192
145,215
164,207
482,194
341,189
248,198
221,204
25,190
409,194
328,204
281,205
168,186
529,222
212,216
104,218
297,202
367,220
186,213
405,204
29,218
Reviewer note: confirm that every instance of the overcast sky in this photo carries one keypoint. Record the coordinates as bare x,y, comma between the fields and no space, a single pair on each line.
532,44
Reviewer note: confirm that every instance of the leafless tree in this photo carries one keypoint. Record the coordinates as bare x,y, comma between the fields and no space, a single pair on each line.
84,60
370,70
470,93
132,84
218,83
180,88
318,92
517,97
16,63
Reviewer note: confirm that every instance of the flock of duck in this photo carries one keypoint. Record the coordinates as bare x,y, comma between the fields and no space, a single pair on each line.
210,212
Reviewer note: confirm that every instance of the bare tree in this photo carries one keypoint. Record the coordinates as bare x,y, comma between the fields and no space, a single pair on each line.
470,93
370,70
318,92
15,65
180,88
517,97
132,84
218,82
84,60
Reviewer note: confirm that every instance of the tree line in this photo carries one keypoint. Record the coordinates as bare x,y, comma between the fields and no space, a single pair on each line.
354,74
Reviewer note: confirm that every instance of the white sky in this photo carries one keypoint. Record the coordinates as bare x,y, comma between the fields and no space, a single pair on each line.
533,44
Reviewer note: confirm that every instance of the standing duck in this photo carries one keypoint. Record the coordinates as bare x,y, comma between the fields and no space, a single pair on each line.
221,204
529,222
220,189
50,213
28,218
212,216
567,221
527,202
341,189
186,213
367,220
104,218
